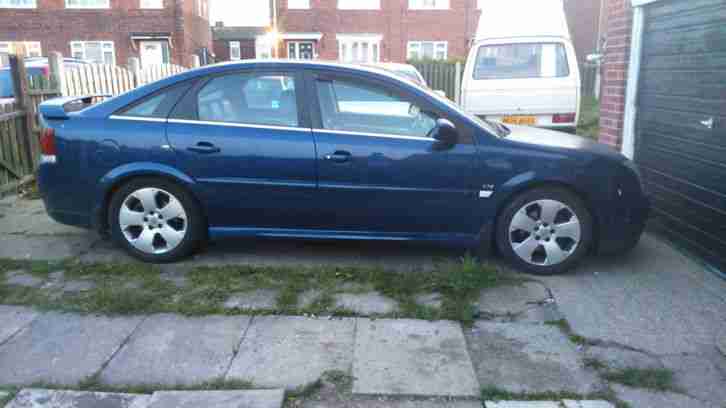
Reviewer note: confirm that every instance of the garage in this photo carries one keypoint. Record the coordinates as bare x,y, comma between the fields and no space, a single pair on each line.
677,134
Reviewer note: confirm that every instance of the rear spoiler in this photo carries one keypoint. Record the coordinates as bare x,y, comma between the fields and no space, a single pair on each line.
58,108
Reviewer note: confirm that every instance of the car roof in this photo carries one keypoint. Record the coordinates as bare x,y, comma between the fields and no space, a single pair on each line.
299,64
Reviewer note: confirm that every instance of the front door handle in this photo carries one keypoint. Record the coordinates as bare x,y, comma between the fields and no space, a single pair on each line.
204,148
339,156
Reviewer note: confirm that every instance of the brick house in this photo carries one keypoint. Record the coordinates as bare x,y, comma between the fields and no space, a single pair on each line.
238,43
664,105
108,31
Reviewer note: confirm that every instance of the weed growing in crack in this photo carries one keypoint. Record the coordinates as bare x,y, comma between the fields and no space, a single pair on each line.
658,379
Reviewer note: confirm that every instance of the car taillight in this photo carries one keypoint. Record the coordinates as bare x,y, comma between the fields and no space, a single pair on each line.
564,118
47,146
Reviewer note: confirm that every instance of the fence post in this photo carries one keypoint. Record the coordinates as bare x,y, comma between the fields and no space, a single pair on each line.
457,84
195,61
22,100
135,68
57,72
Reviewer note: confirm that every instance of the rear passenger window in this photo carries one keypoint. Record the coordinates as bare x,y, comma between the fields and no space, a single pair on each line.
157,105
258,99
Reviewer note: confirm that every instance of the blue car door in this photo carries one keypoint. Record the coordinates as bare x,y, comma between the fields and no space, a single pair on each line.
245,140
379,170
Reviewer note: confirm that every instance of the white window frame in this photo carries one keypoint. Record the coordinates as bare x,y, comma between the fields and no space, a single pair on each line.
151,4
428,4
31,4
296,44
298,4
232,46
418,45
105,4
76,44
359,4
347,43
32,48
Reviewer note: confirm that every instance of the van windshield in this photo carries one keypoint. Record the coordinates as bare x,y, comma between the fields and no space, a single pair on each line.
517,61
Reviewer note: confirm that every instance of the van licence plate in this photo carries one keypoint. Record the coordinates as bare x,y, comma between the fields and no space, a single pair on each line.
520,120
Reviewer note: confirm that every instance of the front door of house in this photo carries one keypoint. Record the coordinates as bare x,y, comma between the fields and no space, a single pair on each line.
152,53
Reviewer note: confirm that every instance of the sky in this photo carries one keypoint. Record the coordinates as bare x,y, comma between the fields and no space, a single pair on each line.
239,12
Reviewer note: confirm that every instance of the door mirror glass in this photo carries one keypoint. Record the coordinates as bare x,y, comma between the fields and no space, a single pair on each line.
445,134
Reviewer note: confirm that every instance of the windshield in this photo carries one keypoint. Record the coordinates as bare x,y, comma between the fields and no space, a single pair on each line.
518,61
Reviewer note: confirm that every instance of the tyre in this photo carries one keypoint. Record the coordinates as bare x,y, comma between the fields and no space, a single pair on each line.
156,220
544,231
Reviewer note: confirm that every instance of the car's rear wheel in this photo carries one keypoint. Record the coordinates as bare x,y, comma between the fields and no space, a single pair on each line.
545,231
155,220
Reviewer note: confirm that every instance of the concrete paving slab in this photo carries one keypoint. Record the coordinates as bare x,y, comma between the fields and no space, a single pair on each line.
392,403
45,248
38,398
702,376
259,299
62,349
654,299
617,358
293,352
513,299
218,399
521,404
307,298
413,358
367,304
587,404
434,300
22,278
13,320
639,398
28,217
177,350
527,358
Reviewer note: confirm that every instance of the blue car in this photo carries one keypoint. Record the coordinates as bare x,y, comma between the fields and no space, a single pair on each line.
327,151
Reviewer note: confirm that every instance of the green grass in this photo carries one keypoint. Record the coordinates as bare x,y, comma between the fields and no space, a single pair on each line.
589,125
496,394
134,288
658,379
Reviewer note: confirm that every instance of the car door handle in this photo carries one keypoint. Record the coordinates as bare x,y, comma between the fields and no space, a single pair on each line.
338,157
204,148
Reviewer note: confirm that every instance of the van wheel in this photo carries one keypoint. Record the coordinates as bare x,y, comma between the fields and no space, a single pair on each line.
156,220
545,231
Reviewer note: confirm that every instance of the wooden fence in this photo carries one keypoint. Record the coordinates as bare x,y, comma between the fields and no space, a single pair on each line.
443,76
19,120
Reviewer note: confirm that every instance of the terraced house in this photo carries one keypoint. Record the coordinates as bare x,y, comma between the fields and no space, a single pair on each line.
107,31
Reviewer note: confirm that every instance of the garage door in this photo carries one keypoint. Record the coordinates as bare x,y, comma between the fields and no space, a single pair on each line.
681,124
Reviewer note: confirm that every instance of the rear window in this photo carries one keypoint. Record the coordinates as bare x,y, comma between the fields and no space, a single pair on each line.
517,61
6,84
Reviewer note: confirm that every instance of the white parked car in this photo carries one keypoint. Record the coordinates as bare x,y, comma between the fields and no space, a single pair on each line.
522,68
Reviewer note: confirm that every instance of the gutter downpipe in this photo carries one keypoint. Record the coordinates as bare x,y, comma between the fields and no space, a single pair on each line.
631,91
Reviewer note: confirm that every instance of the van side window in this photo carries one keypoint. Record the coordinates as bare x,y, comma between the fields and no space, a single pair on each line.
519,61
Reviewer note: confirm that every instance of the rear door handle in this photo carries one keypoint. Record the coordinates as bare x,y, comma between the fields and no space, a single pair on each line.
204,148
339,156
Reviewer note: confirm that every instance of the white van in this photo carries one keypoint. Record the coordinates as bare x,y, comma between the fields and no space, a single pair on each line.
522,67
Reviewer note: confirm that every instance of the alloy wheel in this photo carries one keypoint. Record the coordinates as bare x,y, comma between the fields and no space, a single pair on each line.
153,220
544,232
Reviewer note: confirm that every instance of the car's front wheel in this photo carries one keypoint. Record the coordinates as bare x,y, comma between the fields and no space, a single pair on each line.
155,220
545,231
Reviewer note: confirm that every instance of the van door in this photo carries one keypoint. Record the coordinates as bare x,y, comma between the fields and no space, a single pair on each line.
532,82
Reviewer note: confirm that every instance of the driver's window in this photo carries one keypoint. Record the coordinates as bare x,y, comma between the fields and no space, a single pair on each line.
356,107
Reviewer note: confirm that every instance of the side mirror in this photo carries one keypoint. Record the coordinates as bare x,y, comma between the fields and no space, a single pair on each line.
445,134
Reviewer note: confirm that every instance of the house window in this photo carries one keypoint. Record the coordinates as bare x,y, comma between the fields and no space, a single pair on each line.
432,50
428,4
357,49
88,4
32,48
152,4
359,4
98,52
303,50
235,52
298,4
18,4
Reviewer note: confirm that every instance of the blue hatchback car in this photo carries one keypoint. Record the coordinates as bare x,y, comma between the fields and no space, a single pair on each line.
327,151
